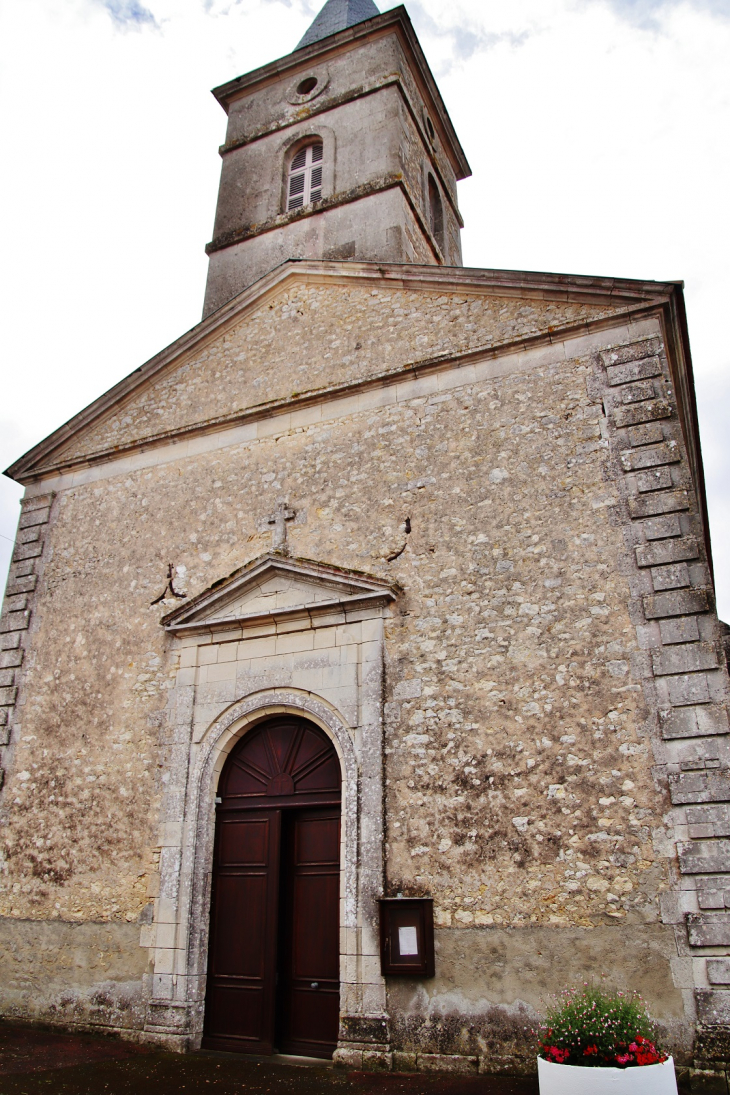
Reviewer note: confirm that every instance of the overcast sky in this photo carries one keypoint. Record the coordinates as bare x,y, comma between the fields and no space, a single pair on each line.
597,131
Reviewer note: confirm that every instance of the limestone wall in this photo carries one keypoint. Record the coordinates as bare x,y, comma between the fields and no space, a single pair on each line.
309,337
527,780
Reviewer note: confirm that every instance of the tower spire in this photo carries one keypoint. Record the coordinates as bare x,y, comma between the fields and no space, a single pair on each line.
337,15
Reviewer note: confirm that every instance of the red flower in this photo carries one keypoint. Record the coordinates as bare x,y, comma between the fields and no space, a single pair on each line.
556,1054
589,1050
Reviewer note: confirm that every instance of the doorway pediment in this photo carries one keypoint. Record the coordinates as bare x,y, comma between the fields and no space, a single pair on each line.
276,588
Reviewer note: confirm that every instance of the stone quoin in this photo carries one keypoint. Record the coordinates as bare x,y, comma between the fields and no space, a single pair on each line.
438,533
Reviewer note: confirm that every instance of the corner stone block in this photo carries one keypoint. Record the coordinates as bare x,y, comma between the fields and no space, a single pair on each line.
22,584
348,1058
667,453
666,551
28,535
688,689
377,1061
371,1029
641,390
716,818
703,857
27,551
634,371
34,517
637,413
683,603
8,696
444,1062
718,971
22,569
686,658
635,351
709,930
656,479
662,528
679,631
713,1008
15,621
665,502
649,434
693,722
7,678
688,788
675,576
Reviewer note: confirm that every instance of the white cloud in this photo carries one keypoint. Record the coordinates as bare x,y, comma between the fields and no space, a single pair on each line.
595,130
128,13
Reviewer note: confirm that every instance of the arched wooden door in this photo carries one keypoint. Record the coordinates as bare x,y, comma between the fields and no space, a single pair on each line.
273,957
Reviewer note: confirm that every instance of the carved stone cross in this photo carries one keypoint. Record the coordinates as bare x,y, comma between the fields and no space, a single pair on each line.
278,520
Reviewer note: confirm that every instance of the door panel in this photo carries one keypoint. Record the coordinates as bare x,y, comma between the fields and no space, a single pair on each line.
309,978
276,848
240,999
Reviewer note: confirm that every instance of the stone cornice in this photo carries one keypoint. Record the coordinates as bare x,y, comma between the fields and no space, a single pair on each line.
377,186
395,20
320,108
352,594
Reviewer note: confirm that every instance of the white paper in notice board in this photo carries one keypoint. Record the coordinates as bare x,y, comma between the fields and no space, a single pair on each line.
407,941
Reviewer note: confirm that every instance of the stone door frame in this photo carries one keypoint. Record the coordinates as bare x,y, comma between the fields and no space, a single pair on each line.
179,934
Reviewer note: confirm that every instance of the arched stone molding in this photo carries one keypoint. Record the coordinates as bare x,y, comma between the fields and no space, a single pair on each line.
222,736
316,651
211,706
286,148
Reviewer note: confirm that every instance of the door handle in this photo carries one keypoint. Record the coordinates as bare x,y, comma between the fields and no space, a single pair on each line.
314,985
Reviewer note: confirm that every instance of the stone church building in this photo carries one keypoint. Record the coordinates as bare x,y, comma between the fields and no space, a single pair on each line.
391,579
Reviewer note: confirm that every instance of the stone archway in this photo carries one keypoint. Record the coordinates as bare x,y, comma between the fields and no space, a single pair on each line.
274,946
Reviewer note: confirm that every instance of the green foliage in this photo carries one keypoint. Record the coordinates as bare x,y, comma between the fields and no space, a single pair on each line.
595,1028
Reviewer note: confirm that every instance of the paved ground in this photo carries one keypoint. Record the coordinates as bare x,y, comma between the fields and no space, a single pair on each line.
38,1061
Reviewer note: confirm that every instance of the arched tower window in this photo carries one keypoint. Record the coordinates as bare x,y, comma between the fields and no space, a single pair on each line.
436,212
305,176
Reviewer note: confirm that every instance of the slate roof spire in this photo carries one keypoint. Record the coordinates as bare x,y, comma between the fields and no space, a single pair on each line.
337,15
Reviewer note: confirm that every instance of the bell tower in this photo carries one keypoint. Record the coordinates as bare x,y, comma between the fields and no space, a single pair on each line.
342,150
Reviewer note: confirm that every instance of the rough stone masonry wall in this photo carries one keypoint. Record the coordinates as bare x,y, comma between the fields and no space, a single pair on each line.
314,337
520,790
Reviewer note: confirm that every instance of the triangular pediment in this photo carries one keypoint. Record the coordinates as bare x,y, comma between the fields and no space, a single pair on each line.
243,363
278,587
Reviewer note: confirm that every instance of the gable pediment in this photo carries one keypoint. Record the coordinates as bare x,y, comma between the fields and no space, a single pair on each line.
282,345
278,589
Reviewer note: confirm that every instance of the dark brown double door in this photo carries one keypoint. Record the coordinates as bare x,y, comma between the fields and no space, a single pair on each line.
273,965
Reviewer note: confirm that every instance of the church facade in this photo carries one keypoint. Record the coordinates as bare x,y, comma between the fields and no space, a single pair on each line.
382,598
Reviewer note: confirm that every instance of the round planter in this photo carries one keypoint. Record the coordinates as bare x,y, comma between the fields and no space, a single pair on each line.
574,1080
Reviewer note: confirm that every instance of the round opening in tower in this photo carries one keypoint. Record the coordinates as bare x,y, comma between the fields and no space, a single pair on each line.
307,86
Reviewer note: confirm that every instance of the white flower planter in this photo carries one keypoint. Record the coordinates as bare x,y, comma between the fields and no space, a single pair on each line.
574,1080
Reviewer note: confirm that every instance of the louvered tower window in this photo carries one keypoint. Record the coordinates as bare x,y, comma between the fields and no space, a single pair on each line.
305,176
